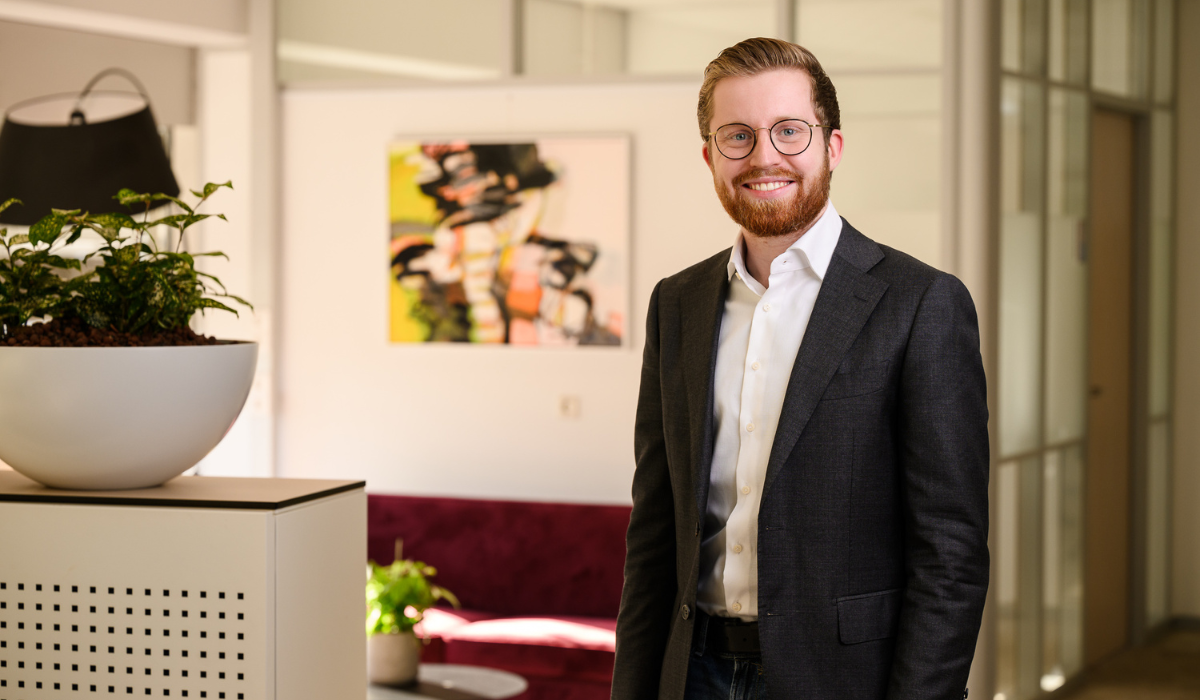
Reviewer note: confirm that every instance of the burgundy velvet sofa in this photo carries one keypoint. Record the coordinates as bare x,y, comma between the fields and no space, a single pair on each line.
540,584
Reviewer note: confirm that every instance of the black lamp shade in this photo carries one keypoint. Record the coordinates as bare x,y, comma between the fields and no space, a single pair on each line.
80,166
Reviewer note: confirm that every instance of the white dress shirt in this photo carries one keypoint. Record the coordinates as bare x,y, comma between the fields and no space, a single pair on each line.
761,332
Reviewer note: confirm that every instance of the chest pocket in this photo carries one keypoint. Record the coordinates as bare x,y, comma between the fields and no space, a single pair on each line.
857,382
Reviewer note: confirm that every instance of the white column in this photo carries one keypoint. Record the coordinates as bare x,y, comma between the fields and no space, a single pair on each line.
973,67
225,111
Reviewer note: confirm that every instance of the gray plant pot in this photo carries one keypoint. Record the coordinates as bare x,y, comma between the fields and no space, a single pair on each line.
392,658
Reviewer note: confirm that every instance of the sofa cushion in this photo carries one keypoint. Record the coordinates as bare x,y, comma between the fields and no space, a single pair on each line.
509,557
563,632
438,622
564,648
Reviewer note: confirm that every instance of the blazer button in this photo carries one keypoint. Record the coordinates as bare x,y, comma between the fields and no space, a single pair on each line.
686,612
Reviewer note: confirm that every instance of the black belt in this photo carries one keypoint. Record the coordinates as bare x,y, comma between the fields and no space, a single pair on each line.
730,635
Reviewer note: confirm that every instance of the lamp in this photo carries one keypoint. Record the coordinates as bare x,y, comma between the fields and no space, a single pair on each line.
80,162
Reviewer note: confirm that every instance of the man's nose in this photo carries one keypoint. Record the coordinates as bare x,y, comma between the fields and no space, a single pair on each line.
764,152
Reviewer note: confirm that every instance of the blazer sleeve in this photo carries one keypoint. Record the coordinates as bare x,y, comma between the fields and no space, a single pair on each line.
647,599
944,458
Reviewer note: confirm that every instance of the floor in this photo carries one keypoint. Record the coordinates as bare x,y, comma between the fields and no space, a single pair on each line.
1169,669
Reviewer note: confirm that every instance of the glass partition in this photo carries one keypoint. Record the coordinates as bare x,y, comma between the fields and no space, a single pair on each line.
1066,268
1158,527
1062,557
864,35
1093,50
581,37
1021,194
1120,46
1158,462
361,41
1006,520
1068,30
1029,620
1164,50
1162,185
385,41
569,38
682,37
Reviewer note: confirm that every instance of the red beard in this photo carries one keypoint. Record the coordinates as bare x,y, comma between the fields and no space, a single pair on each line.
774,218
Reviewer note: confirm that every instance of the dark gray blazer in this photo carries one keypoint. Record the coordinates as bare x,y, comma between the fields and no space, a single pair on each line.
872,537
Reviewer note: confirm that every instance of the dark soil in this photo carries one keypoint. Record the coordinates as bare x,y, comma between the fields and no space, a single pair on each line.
74,333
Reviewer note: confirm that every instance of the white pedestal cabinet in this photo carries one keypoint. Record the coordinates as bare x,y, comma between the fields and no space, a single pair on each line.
207,588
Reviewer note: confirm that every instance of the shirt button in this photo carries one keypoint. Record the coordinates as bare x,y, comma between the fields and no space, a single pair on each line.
766,307
686,612
749,427
737,549
745,489
736,607
755,366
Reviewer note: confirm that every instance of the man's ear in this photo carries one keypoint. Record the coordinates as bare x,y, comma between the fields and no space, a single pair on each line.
834,148
704,152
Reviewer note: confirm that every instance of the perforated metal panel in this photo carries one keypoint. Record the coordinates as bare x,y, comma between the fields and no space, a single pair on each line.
63,638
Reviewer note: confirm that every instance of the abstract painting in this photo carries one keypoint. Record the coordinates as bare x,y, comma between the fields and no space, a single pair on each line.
523,243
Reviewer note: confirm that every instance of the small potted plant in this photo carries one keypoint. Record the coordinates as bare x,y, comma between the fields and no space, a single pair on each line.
103,384
397,596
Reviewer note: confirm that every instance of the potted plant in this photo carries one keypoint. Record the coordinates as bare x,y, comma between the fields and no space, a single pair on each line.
103,385
397,596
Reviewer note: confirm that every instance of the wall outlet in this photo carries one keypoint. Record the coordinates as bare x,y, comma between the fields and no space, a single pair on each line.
569,406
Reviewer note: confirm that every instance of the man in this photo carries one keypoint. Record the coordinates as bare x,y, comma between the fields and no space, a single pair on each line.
810,500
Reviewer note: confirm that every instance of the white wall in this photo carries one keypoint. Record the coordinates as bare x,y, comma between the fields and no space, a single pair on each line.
469,421
481,421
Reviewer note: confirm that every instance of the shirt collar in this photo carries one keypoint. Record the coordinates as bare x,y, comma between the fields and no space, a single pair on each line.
813,250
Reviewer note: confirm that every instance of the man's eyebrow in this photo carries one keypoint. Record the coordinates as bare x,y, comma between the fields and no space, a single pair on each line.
775,121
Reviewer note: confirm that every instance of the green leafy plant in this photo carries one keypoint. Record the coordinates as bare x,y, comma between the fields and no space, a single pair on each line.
398,595
31,278
134,286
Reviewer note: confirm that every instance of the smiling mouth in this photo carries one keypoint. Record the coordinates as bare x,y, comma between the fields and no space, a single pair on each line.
767,186
766,180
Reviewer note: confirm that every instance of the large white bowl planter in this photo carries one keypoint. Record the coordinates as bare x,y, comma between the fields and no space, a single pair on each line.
118,418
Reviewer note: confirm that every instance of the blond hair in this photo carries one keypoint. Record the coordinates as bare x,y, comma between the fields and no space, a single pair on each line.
759,55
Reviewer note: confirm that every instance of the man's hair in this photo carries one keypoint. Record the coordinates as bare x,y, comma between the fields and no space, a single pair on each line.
754,56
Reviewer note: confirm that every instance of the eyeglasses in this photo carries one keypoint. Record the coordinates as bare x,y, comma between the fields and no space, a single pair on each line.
791,137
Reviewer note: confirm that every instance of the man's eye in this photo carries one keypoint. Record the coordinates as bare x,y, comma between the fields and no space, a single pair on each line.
788,131
743,136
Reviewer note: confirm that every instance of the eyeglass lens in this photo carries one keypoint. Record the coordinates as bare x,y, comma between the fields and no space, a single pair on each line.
790,137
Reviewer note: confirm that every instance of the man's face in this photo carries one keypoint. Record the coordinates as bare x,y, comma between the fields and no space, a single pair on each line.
767,193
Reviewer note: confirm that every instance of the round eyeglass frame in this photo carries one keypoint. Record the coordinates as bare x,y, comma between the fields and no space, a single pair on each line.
769,130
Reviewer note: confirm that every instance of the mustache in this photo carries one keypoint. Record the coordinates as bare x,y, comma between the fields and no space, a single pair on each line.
766,172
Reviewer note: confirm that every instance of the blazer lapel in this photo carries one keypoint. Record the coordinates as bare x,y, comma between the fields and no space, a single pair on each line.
703,305
848,296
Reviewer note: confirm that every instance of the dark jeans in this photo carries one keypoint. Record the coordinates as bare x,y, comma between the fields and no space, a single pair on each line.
716,675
